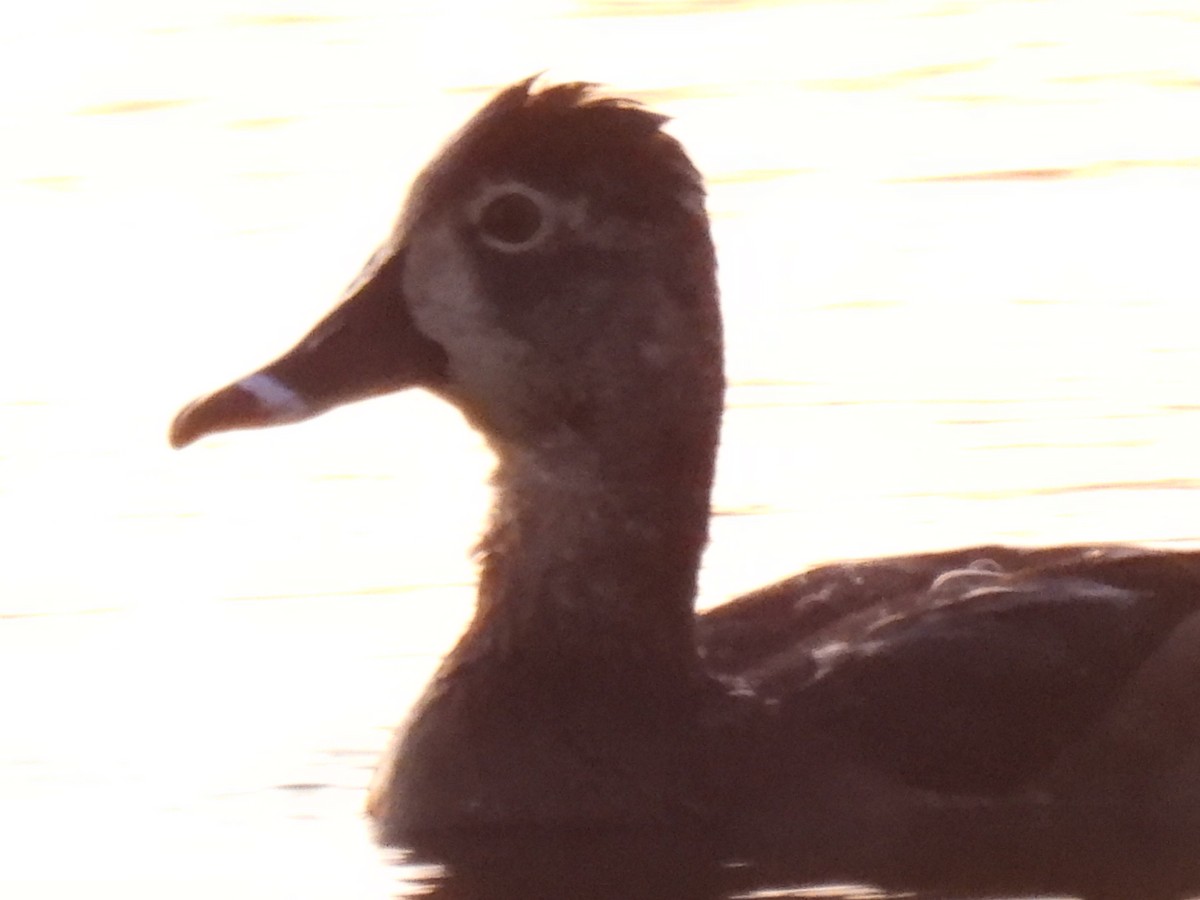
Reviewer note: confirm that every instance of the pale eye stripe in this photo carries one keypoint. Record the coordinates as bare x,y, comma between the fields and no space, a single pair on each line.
275,395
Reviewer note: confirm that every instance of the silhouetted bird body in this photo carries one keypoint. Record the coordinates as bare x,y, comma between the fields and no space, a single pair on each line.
991,719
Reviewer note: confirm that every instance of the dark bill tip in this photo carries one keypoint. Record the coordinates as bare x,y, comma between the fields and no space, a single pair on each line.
254,402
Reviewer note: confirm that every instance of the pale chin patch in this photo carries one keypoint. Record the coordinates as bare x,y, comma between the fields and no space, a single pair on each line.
284,403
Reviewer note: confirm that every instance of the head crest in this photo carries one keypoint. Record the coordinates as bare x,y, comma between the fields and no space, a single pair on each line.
569,138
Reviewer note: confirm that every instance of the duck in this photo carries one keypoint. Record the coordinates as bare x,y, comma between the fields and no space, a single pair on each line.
990,719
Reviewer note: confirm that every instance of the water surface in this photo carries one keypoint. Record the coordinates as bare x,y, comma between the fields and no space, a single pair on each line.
958,259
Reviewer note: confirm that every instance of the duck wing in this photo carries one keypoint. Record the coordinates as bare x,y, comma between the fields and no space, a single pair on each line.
966,672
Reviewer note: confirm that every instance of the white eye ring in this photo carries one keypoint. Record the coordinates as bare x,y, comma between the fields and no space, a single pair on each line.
512,217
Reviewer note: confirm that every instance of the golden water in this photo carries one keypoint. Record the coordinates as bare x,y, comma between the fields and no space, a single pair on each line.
959,247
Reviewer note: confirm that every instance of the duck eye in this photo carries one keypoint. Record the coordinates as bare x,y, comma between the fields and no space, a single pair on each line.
510,221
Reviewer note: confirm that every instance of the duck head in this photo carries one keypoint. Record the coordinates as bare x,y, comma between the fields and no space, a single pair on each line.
551,275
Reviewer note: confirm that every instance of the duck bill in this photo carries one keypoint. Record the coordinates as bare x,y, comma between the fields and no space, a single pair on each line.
368,345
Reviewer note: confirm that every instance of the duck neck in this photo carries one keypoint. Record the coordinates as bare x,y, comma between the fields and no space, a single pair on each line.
591,559
572,698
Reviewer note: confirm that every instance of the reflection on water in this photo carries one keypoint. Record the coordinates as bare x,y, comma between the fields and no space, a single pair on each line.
608,866
957,247
605,866
591,866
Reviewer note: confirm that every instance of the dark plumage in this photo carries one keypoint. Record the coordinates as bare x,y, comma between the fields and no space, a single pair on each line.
990,719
